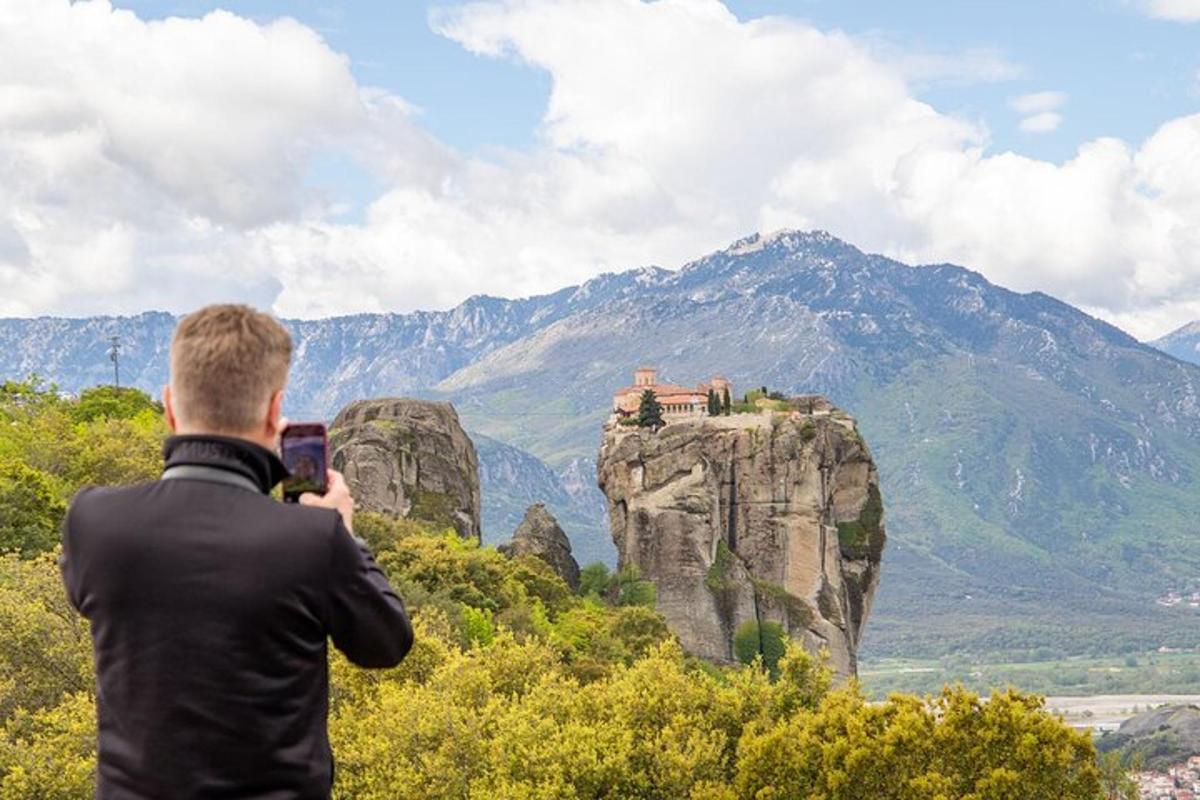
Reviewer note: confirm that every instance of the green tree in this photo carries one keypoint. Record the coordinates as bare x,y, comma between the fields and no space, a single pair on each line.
1115,780
753,640
727,405
714,406
631,590
594,579
112,402
650,412
31,509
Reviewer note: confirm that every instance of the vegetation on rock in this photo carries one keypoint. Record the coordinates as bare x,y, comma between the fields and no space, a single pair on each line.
650,411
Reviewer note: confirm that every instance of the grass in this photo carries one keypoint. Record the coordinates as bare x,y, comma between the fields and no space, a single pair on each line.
1134,673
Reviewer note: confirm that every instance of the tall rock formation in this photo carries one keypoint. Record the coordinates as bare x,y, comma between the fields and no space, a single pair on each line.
751,518
540,535
410,458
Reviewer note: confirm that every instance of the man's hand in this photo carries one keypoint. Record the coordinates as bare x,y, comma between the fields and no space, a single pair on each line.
337,497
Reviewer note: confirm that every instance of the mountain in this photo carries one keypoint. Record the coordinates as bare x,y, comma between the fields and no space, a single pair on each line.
1183,343
1039,466
512,480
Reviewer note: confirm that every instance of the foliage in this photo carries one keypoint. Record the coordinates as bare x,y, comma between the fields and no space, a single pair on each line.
112,402
594,579
31,509
47,652
650,411
51,445
766,641
956,746
631,590
515,688
623,588
50,753
863,537
1115,780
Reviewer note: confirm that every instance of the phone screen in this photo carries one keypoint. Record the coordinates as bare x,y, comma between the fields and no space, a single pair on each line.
303,453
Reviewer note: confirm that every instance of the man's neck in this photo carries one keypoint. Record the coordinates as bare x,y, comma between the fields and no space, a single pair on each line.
267,443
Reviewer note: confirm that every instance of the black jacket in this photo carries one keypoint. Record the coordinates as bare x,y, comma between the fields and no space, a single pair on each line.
210,605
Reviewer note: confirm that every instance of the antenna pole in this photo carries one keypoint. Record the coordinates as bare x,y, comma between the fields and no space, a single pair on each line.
114,353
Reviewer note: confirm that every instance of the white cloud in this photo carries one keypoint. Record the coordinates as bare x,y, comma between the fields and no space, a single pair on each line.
1038,102
1044,122
1173,10
137,170
1039,111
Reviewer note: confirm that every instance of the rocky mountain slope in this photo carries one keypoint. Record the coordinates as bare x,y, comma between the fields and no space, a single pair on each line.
747,520
512,480
1183,343
1040,465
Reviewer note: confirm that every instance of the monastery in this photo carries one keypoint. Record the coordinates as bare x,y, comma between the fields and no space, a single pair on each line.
676,401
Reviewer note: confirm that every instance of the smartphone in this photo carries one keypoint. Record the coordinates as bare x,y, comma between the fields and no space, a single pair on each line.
304,449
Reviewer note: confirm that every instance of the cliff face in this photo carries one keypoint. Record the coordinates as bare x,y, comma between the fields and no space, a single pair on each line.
410,458
751,518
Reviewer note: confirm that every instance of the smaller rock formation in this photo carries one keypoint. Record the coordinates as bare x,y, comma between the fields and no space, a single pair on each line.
409,458
540,535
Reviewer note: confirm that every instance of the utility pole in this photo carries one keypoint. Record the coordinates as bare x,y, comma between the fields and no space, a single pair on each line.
114,353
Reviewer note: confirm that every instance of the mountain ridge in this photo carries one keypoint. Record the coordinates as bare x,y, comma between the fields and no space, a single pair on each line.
1034,459
1182,343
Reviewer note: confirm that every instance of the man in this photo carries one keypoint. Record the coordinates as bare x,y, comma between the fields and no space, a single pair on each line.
210,602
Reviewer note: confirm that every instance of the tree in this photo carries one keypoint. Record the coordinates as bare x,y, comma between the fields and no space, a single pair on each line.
752,640
650,412
594,579
714,406
112,402
31,509
727,406
1115,779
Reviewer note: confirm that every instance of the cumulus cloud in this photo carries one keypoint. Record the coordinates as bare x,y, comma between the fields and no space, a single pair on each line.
1038,111
1174,10
138,159
130,176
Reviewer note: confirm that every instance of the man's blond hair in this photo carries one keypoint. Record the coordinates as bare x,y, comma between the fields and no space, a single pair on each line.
226,363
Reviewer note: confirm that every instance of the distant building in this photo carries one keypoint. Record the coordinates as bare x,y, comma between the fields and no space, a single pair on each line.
677,401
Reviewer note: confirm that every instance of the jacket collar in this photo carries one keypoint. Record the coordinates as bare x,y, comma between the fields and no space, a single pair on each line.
226,452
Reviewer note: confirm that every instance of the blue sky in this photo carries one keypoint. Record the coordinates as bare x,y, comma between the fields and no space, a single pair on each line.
1124,73
321,157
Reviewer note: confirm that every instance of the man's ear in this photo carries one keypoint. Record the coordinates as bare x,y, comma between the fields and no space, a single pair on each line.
275,420
169,409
